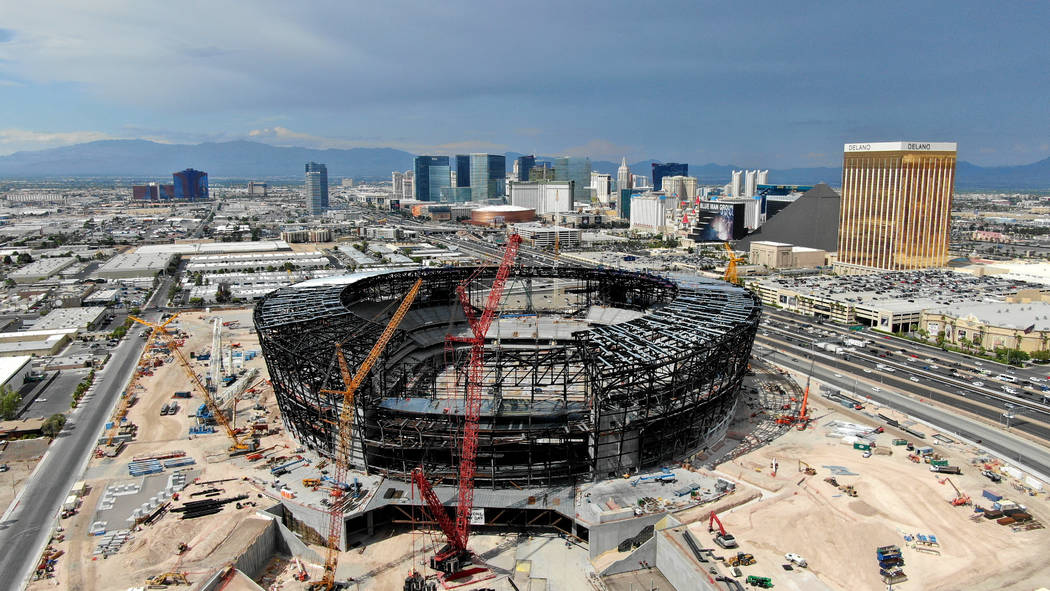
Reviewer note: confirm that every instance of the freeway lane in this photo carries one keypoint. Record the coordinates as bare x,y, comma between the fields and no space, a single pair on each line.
996,440
990,408
26,525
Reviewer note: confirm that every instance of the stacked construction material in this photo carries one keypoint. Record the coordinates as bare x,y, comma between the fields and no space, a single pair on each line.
195,509
144,467
179,462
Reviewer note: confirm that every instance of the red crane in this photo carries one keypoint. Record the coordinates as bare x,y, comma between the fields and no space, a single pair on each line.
454,556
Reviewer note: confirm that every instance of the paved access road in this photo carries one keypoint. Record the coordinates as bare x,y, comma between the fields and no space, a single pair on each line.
25,527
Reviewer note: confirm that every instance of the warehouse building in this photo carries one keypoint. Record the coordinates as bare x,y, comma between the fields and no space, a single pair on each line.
78,318
135,264
256,261
35,342
40,269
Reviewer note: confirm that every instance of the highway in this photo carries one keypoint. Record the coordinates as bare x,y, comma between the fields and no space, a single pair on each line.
995,439
26,526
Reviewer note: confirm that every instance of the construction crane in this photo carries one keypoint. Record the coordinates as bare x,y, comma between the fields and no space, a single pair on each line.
345,431
129,393
239,442
722,538
960,498
454,556
731,273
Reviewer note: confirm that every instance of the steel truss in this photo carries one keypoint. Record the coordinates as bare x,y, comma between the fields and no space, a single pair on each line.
612,399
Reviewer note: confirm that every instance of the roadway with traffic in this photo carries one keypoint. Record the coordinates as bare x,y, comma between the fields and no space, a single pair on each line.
26,526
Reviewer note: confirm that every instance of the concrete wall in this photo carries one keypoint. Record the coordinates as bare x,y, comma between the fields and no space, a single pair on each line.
679,567
645,553
607,536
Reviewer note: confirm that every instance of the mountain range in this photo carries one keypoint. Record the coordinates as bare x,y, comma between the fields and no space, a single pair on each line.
142,160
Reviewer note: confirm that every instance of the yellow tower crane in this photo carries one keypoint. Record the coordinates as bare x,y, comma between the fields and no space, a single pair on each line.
731,274
345,429
239,442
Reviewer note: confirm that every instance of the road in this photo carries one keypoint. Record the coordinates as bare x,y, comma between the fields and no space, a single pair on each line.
25,527
995,439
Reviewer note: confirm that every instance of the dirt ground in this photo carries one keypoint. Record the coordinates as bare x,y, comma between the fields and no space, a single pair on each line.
21,458
151,550
838,534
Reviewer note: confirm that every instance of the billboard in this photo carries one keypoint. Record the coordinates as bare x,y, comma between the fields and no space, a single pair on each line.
719,221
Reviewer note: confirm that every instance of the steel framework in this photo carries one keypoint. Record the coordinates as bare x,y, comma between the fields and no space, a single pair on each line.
573,397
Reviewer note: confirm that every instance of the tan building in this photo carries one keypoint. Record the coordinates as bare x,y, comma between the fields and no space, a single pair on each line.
780,255
992,325
896,205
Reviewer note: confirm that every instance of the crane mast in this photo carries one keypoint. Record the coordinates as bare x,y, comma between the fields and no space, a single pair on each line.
345,431
455,553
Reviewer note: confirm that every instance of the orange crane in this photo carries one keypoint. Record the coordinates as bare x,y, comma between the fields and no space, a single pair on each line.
125,401
240,442
960,498
455,556
345,431
731,274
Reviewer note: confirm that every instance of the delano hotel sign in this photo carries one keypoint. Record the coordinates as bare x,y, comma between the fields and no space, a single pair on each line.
901,147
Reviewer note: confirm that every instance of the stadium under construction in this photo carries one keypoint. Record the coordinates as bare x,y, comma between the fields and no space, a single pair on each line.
588,374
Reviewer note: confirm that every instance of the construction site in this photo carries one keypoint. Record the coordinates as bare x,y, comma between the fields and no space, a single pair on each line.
512,428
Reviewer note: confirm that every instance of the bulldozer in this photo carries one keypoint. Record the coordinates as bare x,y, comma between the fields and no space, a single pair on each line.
169,578
182,548
848,489
740,559
311,482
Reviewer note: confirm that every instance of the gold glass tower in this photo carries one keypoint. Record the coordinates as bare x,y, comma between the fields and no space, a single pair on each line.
896,206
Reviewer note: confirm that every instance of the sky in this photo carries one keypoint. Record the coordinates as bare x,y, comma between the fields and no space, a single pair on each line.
763,84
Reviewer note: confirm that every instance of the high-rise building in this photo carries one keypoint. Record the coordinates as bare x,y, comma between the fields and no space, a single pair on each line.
577,170
681,188
542,171
736,184
667,169
190,184
462,170
544,197
522,166
431,175
896,206
316,188
487,176
453,179
145,192
763,177
408,186
649,212
623,176
750,183
640,181
398,183
601,184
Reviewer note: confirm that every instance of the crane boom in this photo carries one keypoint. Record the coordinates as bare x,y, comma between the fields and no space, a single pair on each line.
472,406
345,430
239,443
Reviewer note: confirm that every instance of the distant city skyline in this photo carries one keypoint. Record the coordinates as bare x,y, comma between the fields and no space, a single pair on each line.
754,83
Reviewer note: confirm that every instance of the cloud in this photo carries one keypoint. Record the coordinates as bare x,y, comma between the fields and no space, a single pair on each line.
283,136
14,140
